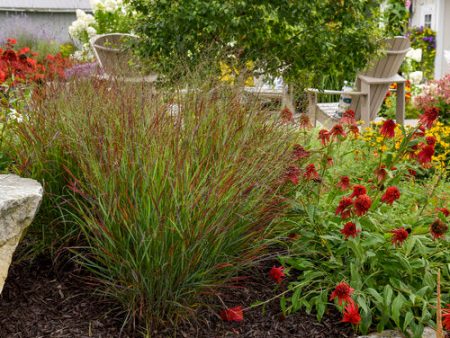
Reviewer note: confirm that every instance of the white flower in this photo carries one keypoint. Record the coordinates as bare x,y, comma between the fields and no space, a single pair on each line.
80,13
110,6
415,54
447,56
416,77
14,115
91,31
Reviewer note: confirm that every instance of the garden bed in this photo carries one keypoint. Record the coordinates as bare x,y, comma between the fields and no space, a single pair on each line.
39,300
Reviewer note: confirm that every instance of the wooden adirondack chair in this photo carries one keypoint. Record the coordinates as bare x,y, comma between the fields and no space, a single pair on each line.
116,60
371,87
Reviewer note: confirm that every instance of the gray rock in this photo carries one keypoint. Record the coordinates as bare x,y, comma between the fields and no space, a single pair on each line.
428,332
19,201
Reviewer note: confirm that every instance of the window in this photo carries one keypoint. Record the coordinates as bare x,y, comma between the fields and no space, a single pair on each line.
427,22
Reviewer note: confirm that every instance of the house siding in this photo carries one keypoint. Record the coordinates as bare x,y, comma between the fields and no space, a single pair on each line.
48,19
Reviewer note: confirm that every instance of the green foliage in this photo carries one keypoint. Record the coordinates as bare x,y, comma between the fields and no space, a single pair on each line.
171,200
395,17
395,286
303,40
425,39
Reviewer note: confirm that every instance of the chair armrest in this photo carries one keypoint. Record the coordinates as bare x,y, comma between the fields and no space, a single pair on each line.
333,92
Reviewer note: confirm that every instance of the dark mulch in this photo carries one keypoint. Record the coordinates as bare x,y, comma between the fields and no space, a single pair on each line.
37,302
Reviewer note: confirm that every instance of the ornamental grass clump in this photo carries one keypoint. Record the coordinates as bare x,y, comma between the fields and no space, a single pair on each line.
173,191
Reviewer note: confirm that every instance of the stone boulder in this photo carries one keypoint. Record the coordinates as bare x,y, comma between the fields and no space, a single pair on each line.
19,201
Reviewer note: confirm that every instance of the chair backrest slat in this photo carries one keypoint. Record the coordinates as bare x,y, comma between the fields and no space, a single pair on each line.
385,66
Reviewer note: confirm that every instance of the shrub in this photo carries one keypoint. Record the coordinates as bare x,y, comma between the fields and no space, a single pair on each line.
436,94
424,39
173,193
301,39
108,16
369,223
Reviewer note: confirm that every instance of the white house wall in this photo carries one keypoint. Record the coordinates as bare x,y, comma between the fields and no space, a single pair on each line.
47,19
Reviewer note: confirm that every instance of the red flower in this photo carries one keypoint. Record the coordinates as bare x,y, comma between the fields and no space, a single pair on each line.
343,207
348,117
299,152
292,174
388,129
324,136
233,314
305,121
342,292
429,116
337,131
358,190
391,194
431,140
438,229
351,314
330,161
349,230
11,41
412,172
353,128
420,132
277,274
344,183
445,211
399,235
287,115
362,204
381,173
425,155
446,317
311,173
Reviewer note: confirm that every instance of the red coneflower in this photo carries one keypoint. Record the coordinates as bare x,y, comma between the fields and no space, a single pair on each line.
277,274
292,174
431,140
348,117
381,173
420,132
390,195
446,317
438,229
429,116
337,131
351,314
324,136
299,152
425,154
287,115
445,211
311,173
234,314
388,129
343,293
343,208
362,204
305,121
349,230
399,235
330,161
412,172
358,190
344,183
353,128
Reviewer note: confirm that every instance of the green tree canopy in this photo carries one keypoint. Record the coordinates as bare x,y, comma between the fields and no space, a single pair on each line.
304,39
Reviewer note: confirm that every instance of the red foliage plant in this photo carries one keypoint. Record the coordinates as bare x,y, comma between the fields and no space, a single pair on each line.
21,66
